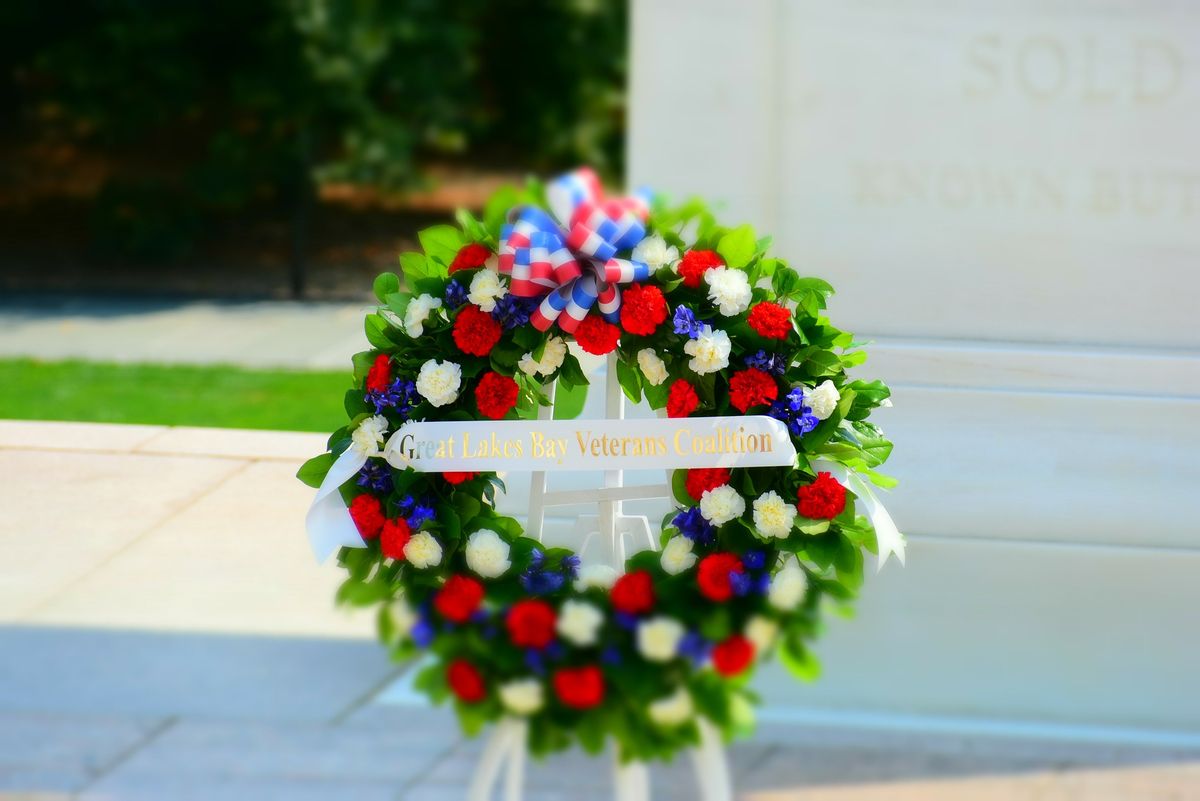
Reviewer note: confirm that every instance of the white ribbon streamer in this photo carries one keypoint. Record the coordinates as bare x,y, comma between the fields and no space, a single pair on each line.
889,538
328,521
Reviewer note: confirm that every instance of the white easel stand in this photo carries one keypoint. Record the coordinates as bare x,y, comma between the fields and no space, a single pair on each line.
507,747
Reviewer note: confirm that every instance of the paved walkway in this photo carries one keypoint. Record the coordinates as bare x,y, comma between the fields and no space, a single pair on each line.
165,634
250,333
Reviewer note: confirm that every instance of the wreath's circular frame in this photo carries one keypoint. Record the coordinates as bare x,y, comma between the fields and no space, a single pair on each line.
494,652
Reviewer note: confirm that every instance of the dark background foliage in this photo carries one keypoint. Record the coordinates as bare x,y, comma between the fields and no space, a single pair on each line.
163,133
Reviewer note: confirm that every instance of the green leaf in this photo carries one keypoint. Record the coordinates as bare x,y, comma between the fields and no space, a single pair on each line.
362,361
386,284
737,246
569,401
313,471
415,268
571,373
799,660
473,228
630,379
441,243
376,329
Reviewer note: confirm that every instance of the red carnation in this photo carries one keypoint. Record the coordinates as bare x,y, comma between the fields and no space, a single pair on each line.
702,479
475,332
531,623
633,593
458,598
580,687
713,575
469,257
394,537
596,336
457,478
495,395
824,499
770,320
733,655
643,309
380,374
367,513
695,264
682,399
751,387
465,681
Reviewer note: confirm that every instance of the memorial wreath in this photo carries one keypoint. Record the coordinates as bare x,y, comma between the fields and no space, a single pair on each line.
703,323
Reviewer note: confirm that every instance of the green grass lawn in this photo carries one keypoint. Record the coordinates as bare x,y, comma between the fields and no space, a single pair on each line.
229,397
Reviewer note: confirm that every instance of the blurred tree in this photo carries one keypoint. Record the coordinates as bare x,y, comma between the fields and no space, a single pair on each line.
210,108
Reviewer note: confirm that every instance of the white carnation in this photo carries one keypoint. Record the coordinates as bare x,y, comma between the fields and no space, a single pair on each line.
658,638
487,553
673,709
789,586
522,696
418,312
600,577
773,516
761,631
677,555
552,358
367,438
654,368
423,551
654,252
719,506
579,623
823,399
728,289
438,382
709,350
486,289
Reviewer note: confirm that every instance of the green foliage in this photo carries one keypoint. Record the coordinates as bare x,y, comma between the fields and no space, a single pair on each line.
222,396
221,105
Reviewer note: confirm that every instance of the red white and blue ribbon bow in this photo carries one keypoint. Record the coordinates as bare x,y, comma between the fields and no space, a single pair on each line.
571,257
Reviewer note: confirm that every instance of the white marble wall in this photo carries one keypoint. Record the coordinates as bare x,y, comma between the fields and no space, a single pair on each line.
1007,197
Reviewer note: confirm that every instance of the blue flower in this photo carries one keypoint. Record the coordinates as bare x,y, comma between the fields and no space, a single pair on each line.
694,647
771,363
421,514
456,295
415,512
692,525
742,583
792,410
513,312
375,474
535,662
571,565
754,560
400,395
626,620
539,582
536,559
422,632
685,322
611,655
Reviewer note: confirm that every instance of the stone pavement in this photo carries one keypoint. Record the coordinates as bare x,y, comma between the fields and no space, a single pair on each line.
309,335
164,634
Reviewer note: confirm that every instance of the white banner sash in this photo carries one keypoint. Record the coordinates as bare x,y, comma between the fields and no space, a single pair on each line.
328,522
656,444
